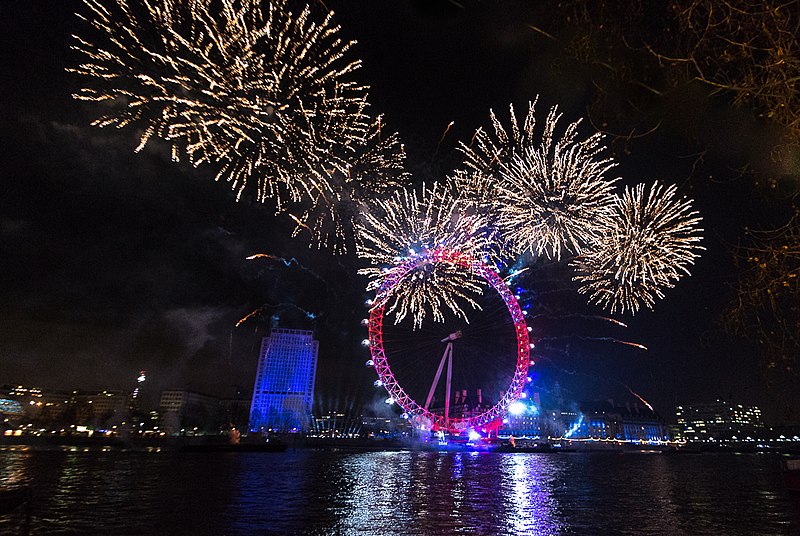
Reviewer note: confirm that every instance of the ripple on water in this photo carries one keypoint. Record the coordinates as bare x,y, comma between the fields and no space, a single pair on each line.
421,493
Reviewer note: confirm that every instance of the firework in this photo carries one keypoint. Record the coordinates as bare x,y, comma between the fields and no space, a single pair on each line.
486,153
262,91
641,399
551,198
645,247
408,223
546,193
372,170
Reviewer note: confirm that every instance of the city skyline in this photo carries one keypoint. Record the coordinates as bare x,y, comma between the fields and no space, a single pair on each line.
119,262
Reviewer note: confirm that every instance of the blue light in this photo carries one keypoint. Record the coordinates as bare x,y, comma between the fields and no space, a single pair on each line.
517,408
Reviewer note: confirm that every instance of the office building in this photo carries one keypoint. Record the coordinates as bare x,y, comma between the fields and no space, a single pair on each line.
284,386
719,421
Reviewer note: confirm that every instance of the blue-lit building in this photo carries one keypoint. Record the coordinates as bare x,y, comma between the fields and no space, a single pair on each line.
284,386
588,420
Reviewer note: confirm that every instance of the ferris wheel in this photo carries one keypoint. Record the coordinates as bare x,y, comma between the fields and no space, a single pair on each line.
423,372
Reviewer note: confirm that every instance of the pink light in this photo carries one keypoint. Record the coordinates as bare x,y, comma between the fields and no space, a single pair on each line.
385,374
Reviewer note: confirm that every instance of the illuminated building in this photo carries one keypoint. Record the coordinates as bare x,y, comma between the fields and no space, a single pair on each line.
719,421
98,407
525,425
588,420
10,407
284,386
57,409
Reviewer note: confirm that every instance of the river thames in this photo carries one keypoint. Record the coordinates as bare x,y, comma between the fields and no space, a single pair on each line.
77,491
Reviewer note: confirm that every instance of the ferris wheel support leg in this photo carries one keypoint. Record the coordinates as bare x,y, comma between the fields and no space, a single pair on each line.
447,351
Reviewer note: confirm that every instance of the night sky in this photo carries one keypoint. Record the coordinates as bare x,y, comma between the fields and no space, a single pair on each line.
112,262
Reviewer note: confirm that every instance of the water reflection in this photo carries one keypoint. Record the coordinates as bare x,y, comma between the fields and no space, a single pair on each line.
528,486
419,493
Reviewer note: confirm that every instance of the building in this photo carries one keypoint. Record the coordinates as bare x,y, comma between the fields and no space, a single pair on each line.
99,408
284,386
587,420
719,421
46,409
186,412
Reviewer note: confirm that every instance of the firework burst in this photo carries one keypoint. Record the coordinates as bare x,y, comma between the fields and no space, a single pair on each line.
552,197
262,91
545,193
646,246
408,223
372,170
488,150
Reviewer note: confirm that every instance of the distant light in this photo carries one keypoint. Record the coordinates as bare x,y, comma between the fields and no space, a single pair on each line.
530,329
370,363
525,312
365,343
517,408
369,303
474,436
529,379
377,383
505,421
365,322
390,400
411,252
524,395
532,346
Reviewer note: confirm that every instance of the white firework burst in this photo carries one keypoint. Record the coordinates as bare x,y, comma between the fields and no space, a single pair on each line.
408,223
545,192
648,244
488,150
264,92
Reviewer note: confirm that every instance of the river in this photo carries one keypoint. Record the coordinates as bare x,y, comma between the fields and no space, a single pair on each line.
315,492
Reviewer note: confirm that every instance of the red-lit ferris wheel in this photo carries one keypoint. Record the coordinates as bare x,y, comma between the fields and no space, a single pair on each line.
386,357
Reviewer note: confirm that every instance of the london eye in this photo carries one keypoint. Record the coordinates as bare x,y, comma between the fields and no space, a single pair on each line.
454,376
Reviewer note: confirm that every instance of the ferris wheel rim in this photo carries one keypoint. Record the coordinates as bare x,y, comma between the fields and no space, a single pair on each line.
411,408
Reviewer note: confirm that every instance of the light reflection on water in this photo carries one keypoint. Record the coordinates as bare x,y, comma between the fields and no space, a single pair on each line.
419,493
